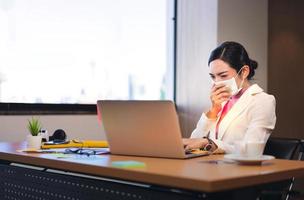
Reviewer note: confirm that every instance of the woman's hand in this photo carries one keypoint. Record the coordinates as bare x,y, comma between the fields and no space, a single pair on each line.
194,143
219,94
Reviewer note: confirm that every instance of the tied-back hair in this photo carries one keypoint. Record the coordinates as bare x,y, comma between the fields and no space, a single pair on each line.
235,55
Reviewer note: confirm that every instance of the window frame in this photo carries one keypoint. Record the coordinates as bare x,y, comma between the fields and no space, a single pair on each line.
46,109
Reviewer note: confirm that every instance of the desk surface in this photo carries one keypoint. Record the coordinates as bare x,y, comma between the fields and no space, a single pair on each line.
207,174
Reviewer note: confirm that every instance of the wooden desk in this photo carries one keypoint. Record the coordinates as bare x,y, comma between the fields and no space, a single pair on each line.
209,174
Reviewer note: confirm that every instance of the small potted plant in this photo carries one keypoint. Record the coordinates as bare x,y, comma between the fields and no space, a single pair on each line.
34,139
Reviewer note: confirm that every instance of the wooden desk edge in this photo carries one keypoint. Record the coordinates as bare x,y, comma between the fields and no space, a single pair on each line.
148,178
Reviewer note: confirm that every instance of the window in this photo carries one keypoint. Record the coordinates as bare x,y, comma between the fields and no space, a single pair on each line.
57,52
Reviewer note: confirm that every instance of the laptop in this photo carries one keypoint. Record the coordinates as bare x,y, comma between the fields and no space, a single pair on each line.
143,128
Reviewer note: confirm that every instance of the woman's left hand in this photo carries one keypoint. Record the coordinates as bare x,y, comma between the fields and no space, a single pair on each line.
194,143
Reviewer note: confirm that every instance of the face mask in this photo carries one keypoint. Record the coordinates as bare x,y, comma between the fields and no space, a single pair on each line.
231,84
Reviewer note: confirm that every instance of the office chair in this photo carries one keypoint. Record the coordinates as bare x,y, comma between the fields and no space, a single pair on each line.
281,148
301,151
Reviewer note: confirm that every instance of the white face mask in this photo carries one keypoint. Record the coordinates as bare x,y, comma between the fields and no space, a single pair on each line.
231,84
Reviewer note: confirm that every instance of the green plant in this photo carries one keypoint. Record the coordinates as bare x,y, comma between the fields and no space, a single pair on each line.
34,126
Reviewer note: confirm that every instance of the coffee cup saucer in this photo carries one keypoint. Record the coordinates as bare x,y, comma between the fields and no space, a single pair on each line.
242,159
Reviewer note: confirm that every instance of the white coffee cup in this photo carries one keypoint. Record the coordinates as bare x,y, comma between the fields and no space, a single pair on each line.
249,148
254,148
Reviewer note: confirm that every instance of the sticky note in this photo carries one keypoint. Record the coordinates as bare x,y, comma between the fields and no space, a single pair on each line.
128,164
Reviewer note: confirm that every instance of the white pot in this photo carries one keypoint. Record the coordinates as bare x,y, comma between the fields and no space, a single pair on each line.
34,141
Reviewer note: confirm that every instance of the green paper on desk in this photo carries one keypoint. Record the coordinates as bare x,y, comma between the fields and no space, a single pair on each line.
128,164
61,155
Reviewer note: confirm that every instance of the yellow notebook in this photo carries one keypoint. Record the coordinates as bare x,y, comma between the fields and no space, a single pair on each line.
78,143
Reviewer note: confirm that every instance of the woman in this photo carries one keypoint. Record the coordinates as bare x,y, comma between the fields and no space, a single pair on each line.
240,111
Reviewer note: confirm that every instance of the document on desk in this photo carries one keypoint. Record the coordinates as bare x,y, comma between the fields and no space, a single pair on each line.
32,150
97,151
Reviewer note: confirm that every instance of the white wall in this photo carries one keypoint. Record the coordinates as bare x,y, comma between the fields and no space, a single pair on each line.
13,128
196,37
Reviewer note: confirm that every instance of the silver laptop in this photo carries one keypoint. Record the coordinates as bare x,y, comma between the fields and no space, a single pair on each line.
143,128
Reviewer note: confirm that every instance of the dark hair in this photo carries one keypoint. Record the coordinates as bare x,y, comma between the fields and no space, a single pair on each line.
235,55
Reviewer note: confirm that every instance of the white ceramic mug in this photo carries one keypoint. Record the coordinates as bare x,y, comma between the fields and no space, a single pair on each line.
249,148
254,148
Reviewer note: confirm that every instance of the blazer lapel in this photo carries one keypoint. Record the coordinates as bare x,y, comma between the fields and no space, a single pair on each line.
237,108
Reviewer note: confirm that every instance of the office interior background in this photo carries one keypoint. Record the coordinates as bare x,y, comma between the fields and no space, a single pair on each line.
142,55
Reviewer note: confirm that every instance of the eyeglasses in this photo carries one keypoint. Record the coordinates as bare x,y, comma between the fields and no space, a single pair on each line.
80,151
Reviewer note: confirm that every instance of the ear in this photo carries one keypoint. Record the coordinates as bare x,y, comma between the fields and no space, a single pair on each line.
245,71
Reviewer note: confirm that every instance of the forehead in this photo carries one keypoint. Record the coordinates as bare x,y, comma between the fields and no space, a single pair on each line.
218,66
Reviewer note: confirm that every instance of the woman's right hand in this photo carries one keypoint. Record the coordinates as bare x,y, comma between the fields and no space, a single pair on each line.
219,94
194,143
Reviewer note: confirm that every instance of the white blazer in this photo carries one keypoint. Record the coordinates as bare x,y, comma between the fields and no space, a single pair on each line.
251,118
